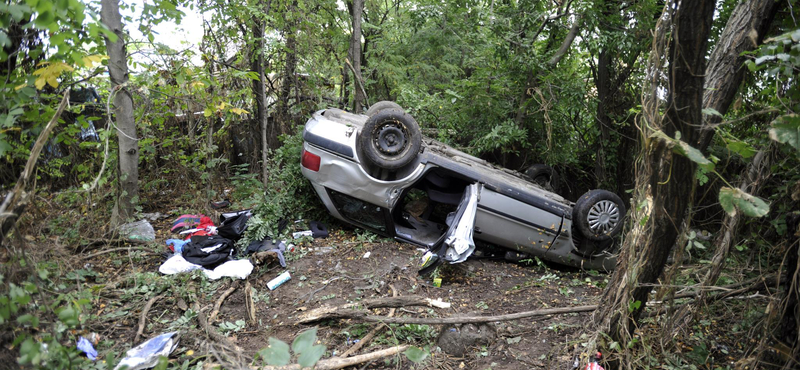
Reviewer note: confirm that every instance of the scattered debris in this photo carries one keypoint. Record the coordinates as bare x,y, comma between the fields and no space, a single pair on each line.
220,204
153,216
276,282
317,230
85,346
145,355
140,231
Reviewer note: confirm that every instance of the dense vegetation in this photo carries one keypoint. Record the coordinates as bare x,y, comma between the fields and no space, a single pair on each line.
588,87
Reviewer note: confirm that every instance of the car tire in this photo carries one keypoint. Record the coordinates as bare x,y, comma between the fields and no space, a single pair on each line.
543,175
598,215
381,105
390,139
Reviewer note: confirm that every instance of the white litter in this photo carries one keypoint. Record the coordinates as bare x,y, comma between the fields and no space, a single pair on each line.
236,269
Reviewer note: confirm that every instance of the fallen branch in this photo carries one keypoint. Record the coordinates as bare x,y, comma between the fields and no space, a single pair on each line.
329,312
367,338
360,315
143,317
340,363
112,250
249,304
213,316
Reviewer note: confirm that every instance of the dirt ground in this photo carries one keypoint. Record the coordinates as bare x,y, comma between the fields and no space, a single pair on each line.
347,267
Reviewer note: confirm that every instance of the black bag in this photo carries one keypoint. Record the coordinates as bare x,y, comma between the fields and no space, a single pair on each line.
208,251
233,224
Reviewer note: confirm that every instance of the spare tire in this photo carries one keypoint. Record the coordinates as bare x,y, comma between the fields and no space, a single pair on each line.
381,105
544,176
390,139
598,215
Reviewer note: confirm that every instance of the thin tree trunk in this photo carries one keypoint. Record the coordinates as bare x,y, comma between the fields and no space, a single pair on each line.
355,54
260,91
123,109
289,75
666,181
603,83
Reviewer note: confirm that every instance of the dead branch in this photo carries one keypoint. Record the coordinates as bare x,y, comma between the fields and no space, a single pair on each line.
757,284
358,80
329,312
249,304
143,317
360,315
340,363
117,250
213,316
17,200
367,338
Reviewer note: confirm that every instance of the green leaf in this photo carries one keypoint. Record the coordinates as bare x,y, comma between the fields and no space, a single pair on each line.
310,356
162,363
68,316
742,148
694,155
416,355
304,341
45,19
711,112
786,130
735,199
726,200
634,305
685,150
277,354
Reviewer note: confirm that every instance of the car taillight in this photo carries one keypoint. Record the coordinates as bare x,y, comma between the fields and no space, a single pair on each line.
310,161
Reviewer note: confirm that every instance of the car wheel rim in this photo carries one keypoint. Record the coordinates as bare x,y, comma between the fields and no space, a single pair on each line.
391,139
603,217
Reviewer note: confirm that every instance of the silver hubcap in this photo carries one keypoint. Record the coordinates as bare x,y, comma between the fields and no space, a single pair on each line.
603,217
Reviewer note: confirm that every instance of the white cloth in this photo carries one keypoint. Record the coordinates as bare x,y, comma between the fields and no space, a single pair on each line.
237,269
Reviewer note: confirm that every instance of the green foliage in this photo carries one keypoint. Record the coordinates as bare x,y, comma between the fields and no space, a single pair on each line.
307,353
416,355
28,307
288,194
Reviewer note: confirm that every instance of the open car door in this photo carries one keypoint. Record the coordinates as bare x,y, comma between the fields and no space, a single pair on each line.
457,244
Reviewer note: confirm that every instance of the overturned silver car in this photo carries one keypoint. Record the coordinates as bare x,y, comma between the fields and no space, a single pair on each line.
378,172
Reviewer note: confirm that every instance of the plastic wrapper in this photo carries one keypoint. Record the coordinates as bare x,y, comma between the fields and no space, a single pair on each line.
145,355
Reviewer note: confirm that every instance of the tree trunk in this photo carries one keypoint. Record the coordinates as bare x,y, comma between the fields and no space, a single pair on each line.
259,88
123,112
603,83
745,30
289,72
355,55
666,180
